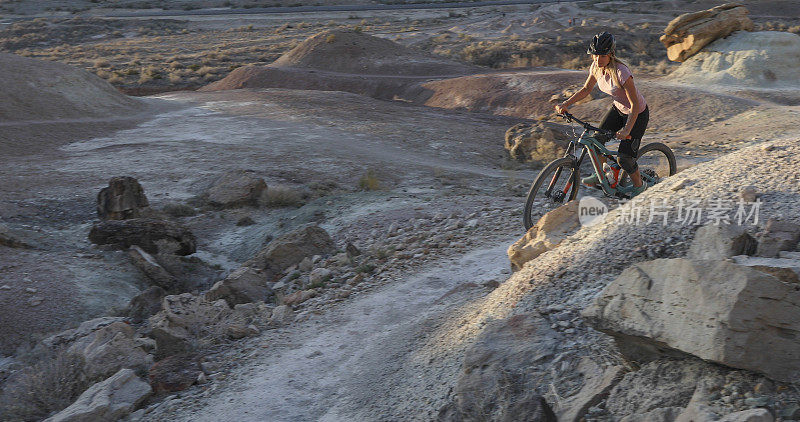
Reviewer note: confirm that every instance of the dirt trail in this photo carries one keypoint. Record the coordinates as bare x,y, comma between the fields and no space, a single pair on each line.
343,364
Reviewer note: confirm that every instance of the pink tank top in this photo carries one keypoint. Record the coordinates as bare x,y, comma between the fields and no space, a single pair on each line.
605,84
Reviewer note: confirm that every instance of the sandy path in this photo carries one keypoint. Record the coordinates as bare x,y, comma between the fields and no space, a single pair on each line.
337,366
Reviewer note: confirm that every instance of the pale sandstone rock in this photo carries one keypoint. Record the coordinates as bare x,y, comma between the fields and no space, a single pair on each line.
242,286
539,142
107,400
721,241
719,311
545,235
290,249
236,189
689,33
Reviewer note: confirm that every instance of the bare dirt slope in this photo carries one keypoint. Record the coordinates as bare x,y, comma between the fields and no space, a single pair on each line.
295,138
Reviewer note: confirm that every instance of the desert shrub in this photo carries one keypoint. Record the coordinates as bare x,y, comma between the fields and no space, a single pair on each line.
207,70
369,181
101,63
49,385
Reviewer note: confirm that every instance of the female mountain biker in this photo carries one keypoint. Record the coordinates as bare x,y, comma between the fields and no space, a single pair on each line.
628,115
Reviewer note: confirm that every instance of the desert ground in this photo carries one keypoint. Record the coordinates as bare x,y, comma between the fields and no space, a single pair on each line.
386,129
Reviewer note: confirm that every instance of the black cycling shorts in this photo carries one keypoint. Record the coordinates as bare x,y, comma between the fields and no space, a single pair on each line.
615,120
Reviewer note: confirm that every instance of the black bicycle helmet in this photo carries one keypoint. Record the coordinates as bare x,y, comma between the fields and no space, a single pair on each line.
602,43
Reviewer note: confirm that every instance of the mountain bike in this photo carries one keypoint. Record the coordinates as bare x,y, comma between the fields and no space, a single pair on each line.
559,181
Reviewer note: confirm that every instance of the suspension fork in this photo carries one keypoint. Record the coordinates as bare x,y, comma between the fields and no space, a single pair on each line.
557,173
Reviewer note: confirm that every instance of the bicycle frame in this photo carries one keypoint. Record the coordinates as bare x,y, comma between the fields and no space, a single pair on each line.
594,148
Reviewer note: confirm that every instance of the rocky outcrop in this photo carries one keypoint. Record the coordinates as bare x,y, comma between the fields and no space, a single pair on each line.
492,383
236,189
290,248
122,199
689,33
545,235
185,320
244,285
539,142
145,304
151,268
110,349
597,384
105,345
720,241
660,390
108,400
153,236
778,236
716,310
174,373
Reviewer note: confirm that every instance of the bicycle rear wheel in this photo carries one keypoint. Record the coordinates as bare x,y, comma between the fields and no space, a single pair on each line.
656,162
555,185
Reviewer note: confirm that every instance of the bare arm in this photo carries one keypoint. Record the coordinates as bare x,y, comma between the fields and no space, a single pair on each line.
581,94
633,99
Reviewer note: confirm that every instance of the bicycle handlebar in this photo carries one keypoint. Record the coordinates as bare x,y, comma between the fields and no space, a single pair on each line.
587,126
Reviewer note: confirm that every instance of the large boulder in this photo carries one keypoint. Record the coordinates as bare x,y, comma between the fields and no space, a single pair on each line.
763,59
110,349
493,384
236,189
545,235
777,236
716,310
105,345
290,248
184,320
244,285
153,236
122,199
689,33
720,241
108,400
539,142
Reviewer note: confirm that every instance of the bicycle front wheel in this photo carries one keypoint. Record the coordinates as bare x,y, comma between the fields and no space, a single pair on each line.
555,185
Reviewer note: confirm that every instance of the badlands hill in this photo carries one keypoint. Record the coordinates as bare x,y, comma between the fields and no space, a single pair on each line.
354,52
346,61
766,59
41,90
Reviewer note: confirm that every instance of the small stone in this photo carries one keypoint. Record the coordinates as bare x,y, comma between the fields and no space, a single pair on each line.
748,193
35,301
245,221
201,379
352,250
472,223
767,148
30,290
5,287
680,185
305,264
